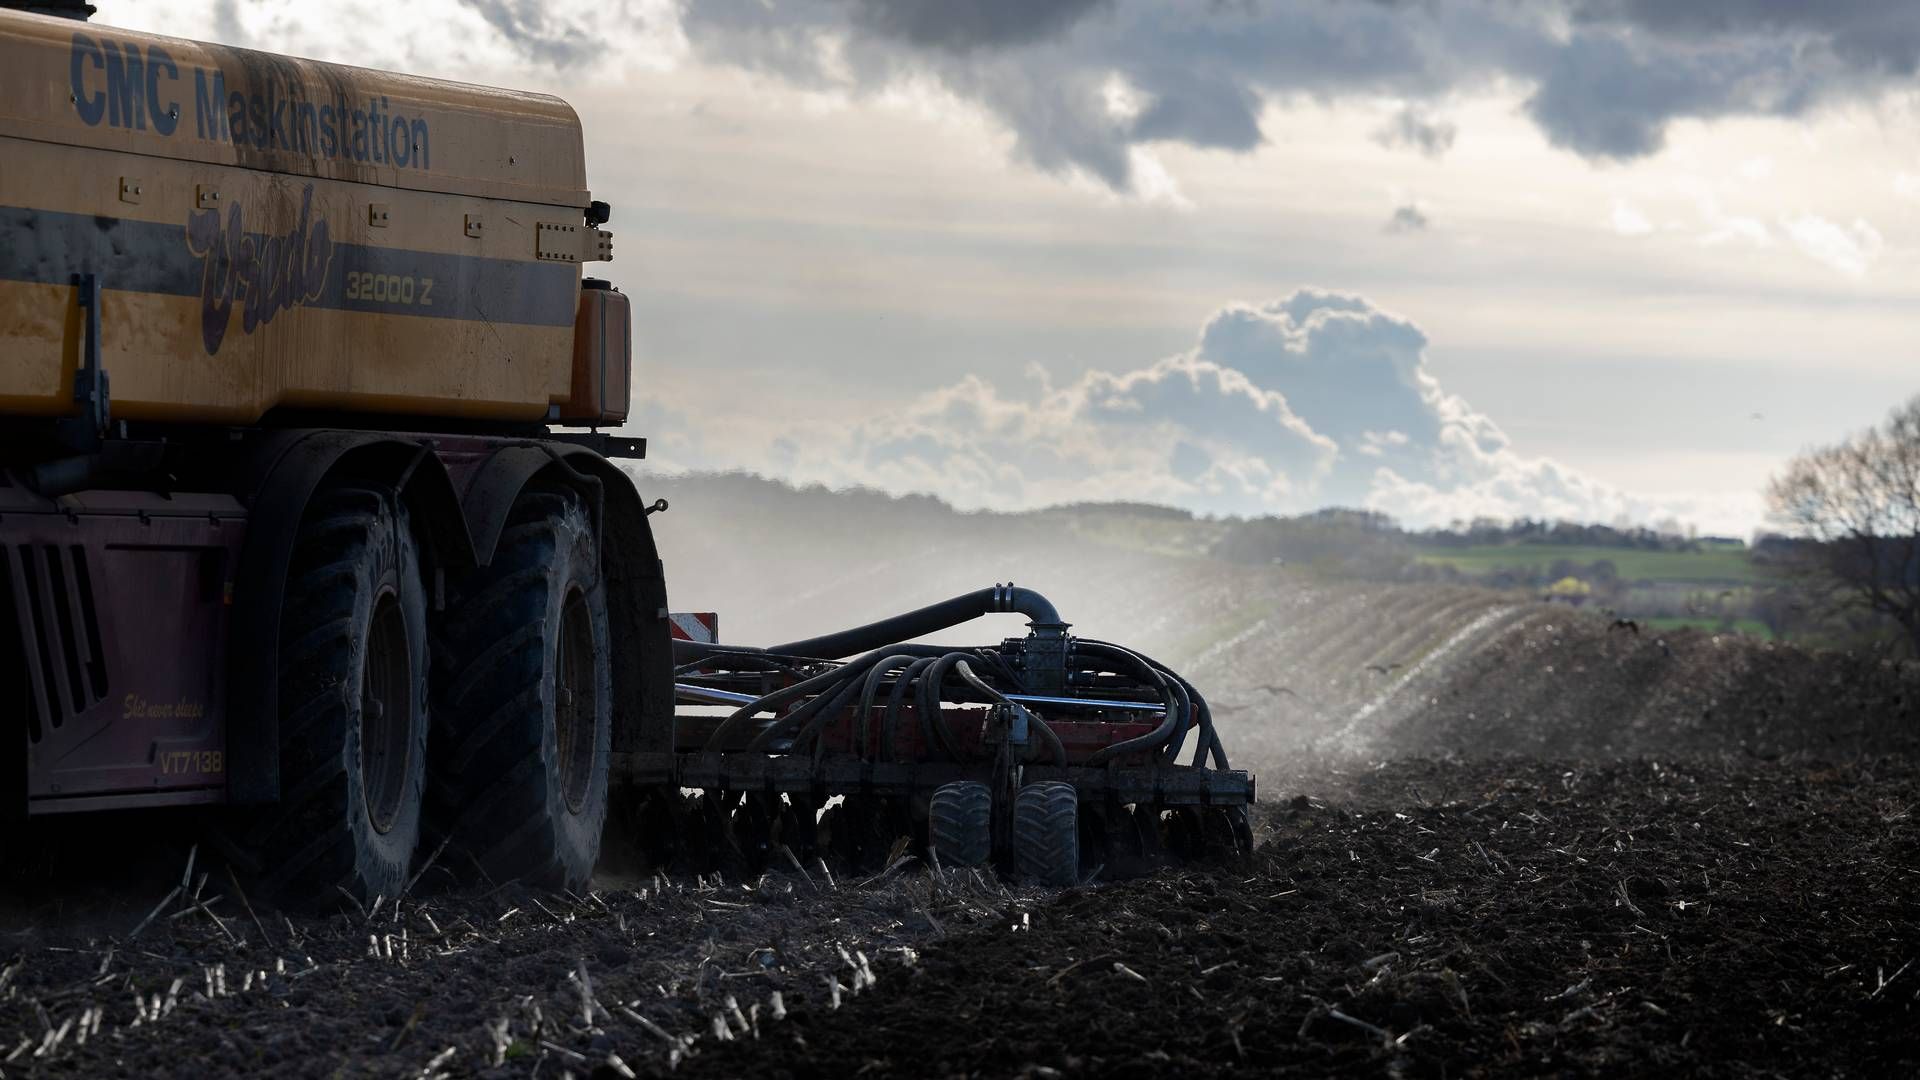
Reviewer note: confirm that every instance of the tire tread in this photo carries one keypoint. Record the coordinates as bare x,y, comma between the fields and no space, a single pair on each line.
1046,833
960,823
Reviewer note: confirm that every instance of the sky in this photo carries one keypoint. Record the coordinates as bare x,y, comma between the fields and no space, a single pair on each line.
1601,260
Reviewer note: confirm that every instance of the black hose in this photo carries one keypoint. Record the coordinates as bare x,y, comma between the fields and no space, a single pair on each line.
1209,742
1209,738
1046,733
1005,670
775,700
872,690
1159,736
790,725
947,613
925,673
931,717
1187,718
894,701
826,715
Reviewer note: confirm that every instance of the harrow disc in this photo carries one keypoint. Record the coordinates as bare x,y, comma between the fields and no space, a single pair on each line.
1197,833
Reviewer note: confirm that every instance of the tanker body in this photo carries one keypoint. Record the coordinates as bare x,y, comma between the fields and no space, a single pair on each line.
305,515
286,345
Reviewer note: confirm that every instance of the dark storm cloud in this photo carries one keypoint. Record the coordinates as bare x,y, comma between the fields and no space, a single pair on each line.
1883,34
537,31
1201,70
1607,77
964,26
1413,128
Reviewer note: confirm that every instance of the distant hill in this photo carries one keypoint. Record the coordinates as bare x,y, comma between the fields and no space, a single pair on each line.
776,559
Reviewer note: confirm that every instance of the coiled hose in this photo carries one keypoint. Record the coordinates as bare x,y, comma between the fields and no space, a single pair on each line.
923,671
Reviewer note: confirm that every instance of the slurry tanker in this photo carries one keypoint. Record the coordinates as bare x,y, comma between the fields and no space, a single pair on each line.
310,516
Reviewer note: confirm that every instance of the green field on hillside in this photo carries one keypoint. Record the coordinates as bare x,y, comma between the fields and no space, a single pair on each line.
1749,627
1720,565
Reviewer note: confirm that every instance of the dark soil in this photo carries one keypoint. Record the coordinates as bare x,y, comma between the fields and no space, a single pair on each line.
1597,853
1440,919
488,983
1449,919
1570,685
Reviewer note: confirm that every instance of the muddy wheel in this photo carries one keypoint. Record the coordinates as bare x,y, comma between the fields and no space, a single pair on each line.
523,721
1046,833
353,719
960,823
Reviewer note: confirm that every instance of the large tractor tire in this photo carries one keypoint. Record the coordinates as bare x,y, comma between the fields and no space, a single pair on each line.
353,709
524,696
960,823
1046,834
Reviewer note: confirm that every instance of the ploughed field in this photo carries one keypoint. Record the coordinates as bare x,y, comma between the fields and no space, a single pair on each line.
1433,919
1492,839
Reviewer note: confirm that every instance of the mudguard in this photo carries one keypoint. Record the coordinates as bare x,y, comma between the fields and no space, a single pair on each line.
636,581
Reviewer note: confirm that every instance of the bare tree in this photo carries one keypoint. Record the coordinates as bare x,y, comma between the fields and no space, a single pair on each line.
1856,506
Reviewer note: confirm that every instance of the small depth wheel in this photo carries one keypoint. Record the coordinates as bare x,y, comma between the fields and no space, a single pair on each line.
1046,834
960,823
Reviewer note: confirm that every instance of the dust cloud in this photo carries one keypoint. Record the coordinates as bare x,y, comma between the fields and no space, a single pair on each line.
1284,662
1311,680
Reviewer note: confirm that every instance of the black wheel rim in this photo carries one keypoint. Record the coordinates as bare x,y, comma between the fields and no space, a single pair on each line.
385,710
576,705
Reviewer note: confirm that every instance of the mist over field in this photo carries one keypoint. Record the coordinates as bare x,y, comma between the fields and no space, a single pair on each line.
1311,673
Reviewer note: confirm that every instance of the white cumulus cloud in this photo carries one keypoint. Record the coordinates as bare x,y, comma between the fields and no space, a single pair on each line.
1319,398
1850,249
1629,221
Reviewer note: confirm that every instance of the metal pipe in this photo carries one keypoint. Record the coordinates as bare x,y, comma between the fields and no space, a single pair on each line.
1088,703
690,694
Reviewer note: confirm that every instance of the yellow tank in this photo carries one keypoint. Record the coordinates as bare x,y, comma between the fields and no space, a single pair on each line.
275,232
